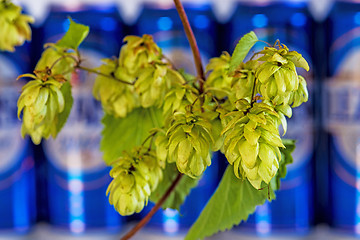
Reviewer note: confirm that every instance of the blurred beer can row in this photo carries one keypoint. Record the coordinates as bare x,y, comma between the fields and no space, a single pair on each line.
63,182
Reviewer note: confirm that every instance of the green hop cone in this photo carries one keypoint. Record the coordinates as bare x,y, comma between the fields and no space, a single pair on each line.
190,141
117,98
179,97
15,27
59,59
161,144
135,175
252,142
299,96
243,79
218,80
138,52
277,73
154,82
41,102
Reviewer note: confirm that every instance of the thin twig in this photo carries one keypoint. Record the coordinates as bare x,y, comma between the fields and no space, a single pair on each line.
102,74
192,41
147,218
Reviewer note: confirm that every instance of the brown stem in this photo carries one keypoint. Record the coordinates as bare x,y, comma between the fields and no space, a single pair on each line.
192,41
102,74
147,218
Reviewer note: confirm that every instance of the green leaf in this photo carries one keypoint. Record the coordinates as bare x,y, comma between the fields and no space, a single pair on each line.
74,36
242,49
233,201
63,116
177,197
121,134
286,159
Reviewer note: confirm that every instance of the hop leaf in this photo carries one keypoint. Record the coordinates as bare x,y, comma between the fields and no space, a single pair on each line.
41,101
116,97
252,143
135,175
15,27
190,140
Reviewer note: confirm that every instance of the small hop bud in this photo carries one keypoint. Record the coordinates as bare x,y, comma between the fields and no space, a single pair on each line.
41,101
116,97
252,143
190,141
15,27
135,175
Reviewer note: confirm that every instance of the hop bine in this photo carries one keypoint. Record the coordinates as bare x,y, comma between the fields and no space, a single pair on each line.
15,27
41,101
135,175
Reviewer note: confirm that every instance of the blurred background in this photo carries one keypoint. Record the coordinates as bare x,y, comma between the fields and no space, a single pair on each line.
57,190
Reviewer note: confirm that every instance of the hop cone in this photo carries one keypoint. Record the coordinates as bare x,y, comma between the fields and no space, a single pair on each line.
243,80
58,59
154,82
178,98
116,97
252,142
190,140
135,175
300,95
277,73
41,102
15,27
218,80
138,53
161,143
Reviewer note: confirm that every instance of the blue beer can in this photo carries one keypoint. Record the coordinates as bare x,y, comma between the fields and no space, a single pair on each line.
77,177
341,112
290,22
163,22
17,171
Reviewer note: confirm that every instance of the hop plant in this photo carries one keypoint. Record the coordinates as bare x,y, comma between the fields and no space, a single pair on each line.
190,141
15,27
135,175
41,101
116,97
252,142
277,74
